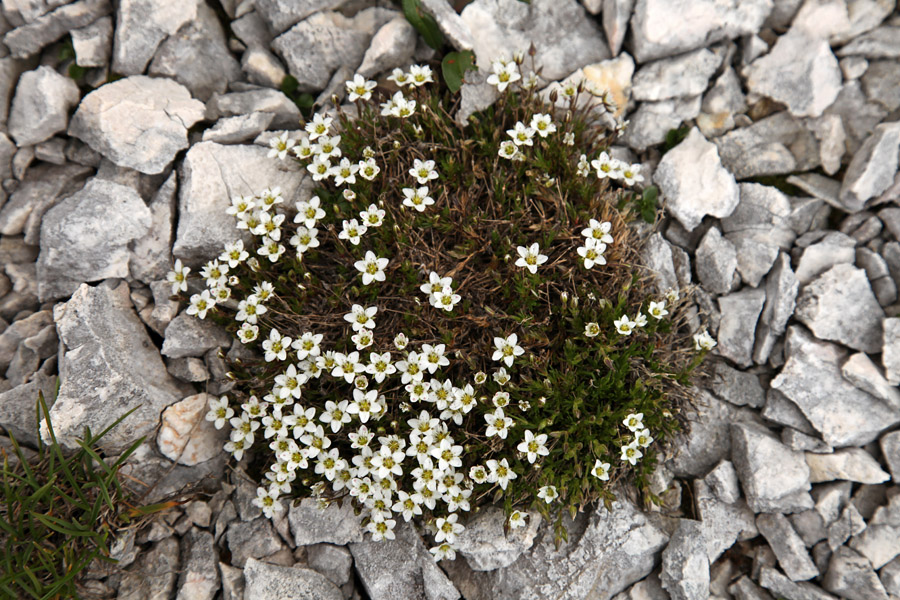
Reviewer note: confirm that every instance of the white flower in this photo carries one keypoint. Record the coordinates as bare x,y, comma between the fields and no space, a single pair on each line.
498,424
307,345
178,277
435,283
352,231
530,257
319,168
443,551
263,291
508,149
598,231
624,325
548,493
372,216
412,369
219,411
234,254
583,168
270,197
605,166
631,453
240,205
600,470
267,500
448,529
318,126
368,169
702,340
592,329
400,77
542,124
478,474
643,438
380,366
423,171
215,274
371,267
276,346
398,106
303,149
406,505
631,174
434,357
533,446
401,341
634,422
309,212
345,172
501,376
504,73
364,405
640,320
289,383
280,146
248,333
417,198
517,519
200,303
335,414
359,88
271,249
420,75
507,349
328,147
249,310
569,138
363,339
360,317
521,134
500,472
305,239
672,295
592,253
381,528
657,310
445,299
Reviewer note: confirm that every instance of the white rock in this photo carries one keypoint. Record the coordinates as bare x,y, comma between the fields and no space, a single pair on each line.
30,38
685,565
781,296
873,167
720,104
235,104
864,374
880,542
890,448
787,546
151,255
487,546
839,306
681,76
850,575
811,379
392,46
723,481
652,121
716,261
694,183
664,28
210,175
142,25
849,464
264,581
615,15
613,76
93,44
199,574
740,312
262,68
40,108
890,354
185,436
137,122
807,87
774,145
86,237
333,524
238,130
878,43
723,523
833,249
450,23
280,15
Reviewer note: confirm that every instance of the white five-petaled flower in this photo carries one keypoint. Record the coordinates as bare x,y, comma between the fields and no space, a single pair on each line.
517,519
504,73
380,366
598,231
445,299
267,500
372,268
521,134
417,198
657,310
352,231
423,171
248,333
704,341
592,253
530,257
631,174
344,172
507,349
631,453
219,411
498,424
624,325
359,88
304,239
634,422
533,445
643,438
548,493
365,405
592,329
500,472
369,169
234,254
420,75
601,470
400,77
318,126
360,317
542,124
200,303
448,528
309,212
372,216
276,346
280,146
178,277
605,166
508,149
433,357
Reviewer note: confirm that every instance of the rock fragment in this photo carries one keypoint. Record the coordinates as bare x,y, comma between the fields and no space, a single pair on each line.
40,108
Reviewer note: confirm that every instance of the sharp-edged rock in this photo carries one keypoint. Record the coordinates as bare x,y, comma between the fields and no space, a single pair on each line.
93,43
31,37
774,145
834,248
199,578
737,387
851,576
880,542
250,540
153,575
682,76
450,24
264,581
189,336
708,439
881,42
694,183
487,546
740,312
716,261
723,523
142,25
185,436
864,374
236,104
685,565
40,108
873,167
890,350
281,15
775,581
17,408
652,121
334,562
151,254
787,545
781,295
721,103
890,448
138,122
392,46
334,524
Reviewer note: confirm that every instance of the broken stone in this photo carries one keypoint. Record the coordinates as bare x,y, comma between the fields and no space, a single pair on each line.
851,576
724,100
723,481
264,581
236,104
615,15
30,38
788,547
153,575
141,26
873,167
486,545
708,439
850,464
333,524
775,145
740,312
40,108
716,260
450,24
391,47
723,523
17,408
652,121
774,581
187,335
834,248
849,524
93,44
199,576
334,562
781,293
862,372
685,565
185,436
890,354
682,76
250,540
737,387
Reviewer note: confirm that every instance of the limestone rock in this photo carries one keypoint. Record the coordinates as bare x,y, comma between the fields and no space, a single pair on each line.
716,261
833,249
774,145
880,542
17,407
391,47
154,574
737,387
881,42
721,103
851,576
185,436
93,44
723,523
873,167
334,524
450,23
693,182
652,121
849,464
137,122
615,15
787,545
740,312
142,25
486,546
86,237
151,255
781,295
187,335
285,113
708,439
811,378
613,76
199,574
249,540
890,448
862,372
334,562
682,76
31,37
685,566
890,353
109,365
40,108
264,581
839,306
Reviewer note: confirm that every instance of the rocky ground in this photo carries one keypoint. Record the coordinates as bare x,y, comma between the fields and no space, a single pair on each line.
783,488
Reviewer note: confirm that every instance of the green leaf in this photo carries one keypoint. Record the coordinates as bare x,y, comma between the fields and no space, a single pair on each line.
454,67
648,204
423,23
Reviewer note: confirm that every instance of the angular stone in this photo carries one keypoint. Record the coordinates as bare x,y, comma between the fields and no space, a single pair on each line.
86,237
185,436
774,478
334,562
880,542
142,25
151,255
685,565
723,523
93,44
648,588
811,378
30,38
487,546
873,167
138,122
839,306
890,577
693,182
851,576
807,88
236,104
238,130
708,439
834,248
42,188
334,524
109,365
878,43
774,145
850,464
450,23
250,540
400,568
154,574
774,581
744,589
663,28
682,76
829,130
890,354
849,524
781,295
740,312
737,387
40,108
788,547
780,410
18,412
197,57
199,576
615,15
210,175
187,335
890,448
862,372
391,47
504,27
724,100
723,481
652,121
264,582
613,76
716,261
